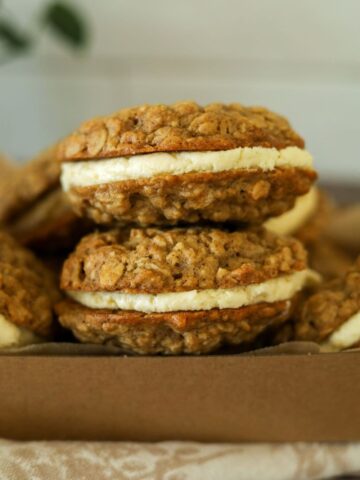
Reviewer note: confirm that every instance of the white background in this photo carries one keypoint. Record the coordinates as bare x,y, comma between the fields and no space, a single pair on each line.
300,58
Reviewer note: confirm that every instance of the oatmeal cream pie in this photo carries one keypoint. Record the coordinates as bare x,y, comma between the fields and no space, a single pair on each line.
309,221
166,164
180,291
34,208
27,295
329,316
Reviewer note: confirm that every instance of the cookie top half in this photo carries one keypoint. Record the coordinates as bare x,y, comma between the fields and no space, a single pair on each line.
156,261
183,126
153,270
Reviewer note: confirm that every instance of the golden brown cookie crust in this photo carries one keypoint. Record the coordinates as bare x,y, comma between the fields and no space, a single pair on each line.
326,310
171,333
249,196
183,126
27,289
155,261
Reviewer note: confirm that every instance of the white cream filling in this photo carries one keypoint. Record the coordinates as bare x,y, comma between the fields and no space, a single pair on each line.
291,221
95,172
273,290
347,335
13,336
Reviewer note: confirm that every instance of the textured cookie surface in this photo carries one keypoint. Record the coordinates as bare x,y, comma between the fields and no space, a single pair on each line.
183,126
155,261
324,311
27,288
172,333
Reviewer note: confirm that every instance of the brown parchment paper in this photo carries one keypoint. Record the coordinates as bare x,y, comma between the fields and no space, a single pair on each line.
78,349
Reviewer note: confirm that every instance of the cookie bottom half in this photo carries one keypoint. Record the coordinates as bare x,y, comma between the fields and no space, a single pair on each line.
186,332
248,196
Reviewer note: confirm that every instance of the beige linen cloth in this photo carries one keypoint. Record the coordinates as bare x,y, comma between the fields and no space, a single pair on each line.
176,461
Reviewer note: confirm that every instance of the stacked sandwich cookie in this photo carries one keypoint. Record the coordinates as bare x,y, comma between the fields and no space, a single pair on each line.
161,164
309,221
156,283
181,290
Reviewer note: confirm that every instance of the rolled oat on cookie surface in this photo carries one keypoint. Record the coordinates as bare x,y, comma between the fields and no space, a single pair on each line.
180,290
184,163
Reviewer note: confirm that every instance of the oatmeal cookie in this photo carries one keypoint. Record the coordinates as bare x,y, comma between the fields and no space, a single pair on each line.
328,258
50,225
30,183
330,315
315,226
34,209
180,290
183,163
183,126
176,260
307,220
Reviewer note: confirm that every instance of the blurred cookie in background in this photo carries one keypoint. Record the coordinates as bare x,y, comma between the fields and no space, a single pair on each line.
344,227
328,258
34,209
310,221
329,315
306,220
8,168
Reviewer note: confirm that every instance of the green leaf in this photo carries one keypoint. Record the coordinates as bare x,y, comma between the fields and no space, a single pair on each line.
66,22
12,37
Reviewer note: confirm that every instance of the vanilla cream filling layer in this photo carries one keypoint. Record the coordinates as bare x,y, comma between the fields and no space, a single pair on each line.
289,222
95,172
347,335
13,336
274,290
